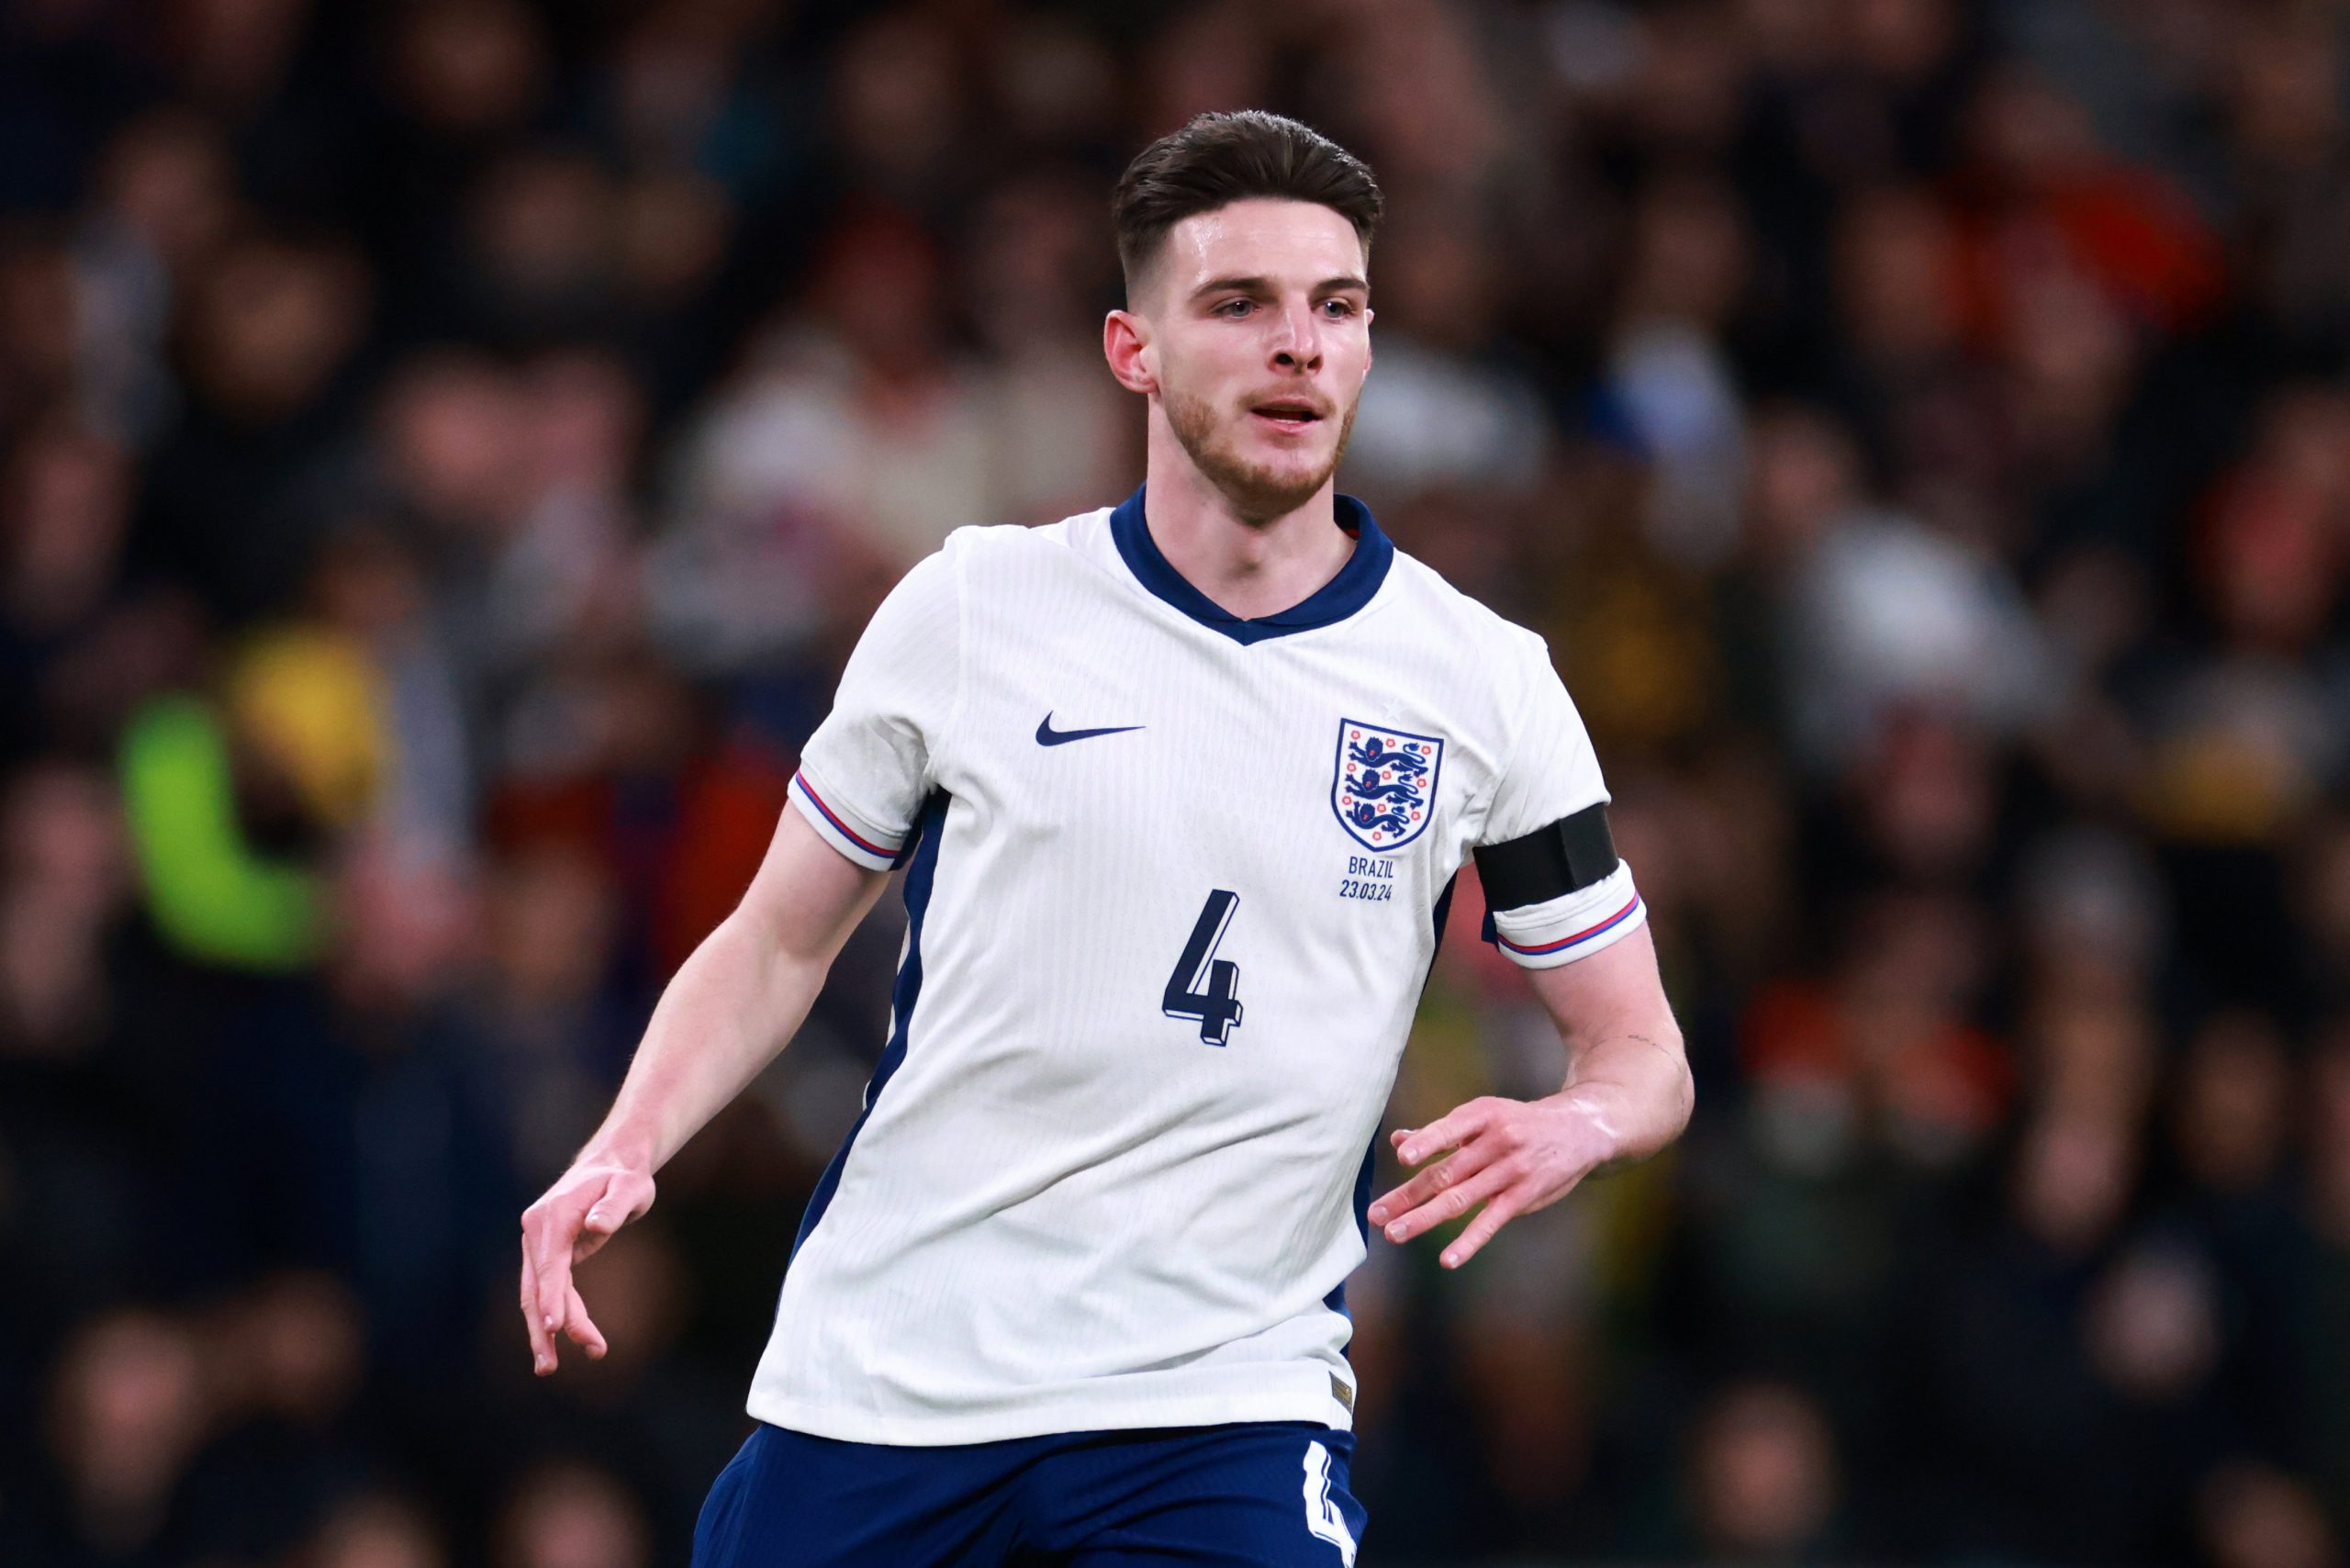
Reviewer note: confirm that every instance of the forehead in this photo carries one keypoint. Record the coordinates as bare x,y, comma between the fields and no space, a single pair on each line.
1299,242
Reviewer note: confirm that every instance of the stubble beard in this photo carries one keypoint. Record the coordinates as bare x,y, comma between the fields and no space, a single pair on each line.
1257,494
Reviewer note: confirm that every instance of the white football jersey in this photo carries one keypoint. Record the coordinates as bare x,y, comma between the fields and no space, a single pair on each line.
1174,881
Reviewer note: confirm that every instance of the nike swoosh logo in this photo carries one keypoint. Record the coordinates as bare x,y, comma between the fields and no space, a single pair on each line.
1047,736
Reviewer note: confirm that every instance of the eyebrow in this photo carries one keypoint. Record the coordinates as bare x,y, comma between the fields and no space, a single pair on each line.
1265,285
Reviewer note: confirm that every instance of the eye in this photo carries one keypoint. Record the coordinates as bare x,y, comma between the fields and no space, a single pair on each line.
1338,310
1233,309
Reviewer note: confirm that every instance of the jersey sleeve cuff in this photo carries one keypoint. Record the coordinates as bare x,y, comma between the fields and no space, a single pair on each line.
859,840
1573,926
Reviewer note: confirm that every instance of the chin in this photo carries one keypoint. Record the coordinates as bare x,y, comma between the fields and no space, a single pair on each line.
1261,493
1287,469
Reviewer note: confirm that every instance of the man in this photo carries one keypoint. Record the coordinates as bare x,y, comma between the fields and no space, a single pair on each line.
1180,788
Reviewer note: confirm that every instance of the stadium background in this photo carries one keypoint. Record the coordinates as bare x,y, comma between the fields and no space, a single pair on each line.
447,449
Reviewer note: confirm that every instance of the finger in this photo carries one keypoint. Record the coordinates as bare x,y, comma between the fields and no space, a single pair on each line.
1457,1168
541,1345
1469,1242
1448,1131
1450,1205
582,1328
551,1258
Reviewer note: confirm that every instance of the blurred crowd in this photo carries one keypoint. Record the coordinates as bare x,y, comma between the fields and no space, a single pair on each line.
447,448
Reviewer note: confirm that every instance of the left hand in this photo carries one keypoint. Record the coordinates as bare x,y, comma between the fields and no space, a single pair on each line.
1512,1155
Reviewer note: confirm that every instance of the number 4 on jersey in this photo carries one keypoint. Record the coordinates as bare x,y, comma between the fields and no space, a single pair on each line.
1204,986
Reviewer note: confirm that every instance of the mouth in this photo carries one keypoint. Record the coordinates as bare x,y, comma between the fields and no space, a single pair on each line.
1290,416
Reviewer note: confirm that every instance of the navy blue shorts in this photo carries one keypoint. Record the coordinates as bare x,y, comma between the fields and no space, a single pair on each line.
1253,1494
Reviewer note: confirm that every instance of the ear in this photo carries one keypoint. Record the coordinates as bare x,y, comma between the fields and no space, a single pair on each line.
1126,344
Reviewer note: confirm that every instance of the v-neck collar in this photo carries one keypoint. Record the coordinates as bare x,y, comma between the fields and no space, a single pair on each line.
1332,601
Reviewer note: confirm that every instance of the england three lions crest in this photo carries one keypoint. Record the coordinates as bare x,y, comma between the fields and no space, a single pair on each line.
1383,784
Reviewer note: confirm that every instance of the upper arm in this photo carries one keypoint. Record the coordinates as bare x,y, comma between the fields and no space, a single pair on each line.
1550,769
1555,890
865,772
1617,991
808,896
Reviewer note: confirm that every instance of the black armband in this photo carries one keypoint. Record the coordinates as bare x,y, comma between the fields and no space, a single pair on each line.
1570,855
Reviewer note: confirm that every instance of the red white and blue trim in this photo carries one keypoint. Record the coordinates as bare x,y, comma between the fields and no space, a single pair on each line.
1534,949
863,847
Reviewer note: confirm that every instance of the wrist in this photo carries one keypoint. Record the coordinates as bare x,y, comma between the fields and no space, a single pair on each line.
623,1150
1601,1109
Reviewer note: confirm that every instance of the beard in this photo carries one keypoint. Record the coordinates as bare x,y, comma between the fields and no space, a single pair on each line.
1257,493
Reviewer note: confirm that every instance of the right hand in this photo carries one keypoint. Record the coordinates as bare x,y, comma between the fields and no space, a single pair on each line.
575,1218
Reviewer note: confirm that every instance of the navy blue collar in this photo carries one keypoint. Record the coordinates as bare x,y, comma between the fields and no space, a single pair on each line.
1333,600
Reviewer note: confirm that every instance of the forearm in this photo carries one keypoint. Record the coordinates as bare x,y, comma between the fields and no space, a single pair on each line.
726,1013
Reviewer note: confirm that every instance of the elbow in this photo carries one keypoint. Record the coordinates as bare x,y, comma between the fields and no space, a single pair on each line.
1681,1093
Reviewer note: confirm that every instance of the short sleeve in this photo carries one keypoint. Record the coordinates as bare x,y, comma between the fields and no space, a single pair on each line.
1552,773
865,772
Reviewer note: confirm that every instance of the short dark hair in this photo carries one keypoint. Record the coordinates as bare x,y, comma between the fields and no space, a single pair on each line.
1218,159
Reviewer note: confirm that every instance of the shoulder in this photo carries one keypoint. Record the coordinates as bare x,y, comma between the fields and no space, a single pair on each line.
1003,567
980,547
1016,540
995,549
1506,651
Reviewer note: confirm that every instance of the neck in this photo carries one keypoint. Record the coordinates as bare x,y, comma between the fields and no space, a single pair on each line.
1249,567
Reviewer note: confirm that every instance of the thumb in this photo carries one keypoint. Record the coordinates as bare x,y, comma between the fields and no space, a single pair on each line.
613,1208
596,1228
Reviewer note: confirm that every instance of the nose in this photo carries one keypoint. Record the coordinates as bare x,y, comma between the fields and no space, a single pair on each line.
1297,340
